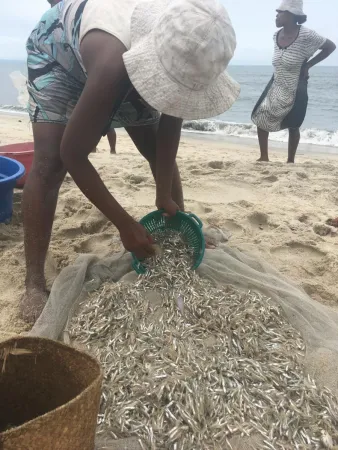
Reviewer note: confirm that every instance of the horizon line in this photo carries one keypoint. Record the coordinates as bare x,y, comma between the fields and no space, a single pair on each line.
235,63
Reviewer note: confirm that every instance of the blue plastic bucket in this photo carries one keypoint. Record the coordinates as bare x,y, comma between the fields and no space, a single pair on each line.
10,171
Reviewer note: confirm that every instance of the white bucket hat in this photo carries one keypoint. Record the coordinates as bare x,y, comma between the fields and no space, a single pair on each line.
293,6
179,52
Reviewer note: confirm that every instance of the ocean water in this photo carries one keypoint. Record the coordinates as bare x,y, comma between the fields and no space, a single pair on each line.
320,126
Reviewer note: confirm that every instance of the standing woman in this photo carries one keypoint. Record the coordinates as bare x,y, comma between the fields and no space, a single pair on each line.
284,101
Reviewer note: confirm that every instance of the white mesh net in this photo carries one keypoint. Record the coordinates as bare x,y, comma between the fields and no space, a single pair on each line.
317,323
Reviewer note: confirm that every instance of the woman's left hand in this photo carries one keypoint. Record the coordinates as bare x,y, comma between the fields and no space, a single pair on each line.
168,205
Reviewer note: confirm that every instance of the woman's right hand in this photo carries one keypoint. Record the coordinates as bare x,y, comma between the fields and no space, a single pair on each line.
136,239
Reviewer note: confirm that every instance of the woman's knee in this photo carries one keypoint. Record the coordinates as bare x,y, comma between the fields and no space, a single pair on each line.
48,173
47,167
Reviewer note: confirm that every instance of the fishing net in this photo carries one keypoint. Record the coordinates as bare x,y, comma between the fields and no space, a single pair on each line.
276,348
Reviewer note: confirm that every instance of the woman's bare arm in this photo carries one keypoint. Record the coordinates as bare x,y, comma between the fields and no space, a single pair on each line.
107,80
326,50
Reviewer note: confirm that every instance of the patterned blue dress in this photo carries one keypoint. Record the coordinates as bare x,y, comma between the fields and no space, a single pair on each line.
56,75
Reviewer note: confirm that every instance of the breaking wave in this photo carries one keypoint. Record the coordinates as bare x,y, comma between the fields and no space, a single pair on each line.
246,130
13,109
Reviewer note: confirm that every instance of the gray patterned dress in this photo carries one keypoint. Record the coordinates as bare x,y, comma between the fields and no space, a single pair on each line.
284,101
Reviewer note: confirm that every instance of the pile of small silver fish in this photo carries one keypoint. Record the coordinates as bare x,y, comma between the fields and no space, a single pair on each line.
188,365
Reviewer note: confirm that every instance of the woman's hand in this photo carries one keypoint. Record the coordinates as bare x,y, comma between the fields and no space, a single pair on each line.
326,49
136,239
168,205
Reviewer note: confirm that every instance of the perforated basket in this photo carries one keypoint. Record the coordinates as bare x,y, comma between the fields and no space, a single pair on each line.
188,224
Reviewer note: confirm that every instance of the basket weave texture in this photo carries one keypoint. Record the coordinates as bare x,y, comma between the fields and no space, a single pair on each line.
49,396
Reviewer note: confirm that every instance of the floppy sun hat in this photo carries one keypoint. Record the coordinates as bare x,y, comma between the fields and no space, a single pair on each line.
293,6
179,52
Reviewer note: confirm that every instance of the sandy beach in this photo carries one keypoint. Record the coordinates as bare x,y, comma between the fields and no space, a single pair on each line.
274,210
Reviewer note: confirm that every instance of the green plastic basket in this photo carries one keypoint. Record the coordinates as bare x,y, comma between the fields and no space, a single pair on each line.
187,224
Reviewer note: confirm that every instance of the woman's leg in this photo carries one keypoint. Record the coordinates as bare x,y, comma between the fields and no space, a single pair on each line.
263,138
294,138
111,135
39,203
50,107
144,138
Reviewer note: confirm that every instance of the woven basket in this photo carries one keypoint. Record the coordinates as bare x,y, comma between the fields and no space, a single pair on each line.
49,396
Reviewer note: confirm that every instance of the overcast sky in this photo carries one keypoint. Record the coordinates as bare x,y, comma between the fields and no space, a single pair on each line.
253,21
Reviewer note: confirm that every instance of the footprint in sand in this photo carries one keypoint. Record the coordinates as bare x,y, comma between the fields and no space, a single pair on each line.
321,229
271,179
258,220
201,208
298,251
233,226
95,244
304,218
68,232
217,165
319,292
86,219
113,183
201,172
192,167
71,207
136,179
306,259
94,224
196,172
302,175
229,164
243,204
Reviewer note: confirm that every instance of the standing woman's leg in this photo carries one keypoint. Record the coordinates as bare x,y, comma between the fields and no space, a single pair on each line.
111,135
39,203
263,138
294,138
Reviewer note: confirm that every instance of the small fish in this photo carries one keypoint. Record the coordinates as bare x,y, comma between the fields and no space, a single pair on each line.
326,440
15,352
180,303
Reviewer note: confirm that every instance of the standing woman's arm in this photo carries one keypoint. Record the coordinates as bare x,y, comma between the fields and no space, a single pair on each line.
326,50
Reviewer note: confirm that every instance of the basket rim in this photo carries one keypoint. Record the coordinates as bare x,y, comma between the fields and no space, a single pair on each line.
137,264
35,339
